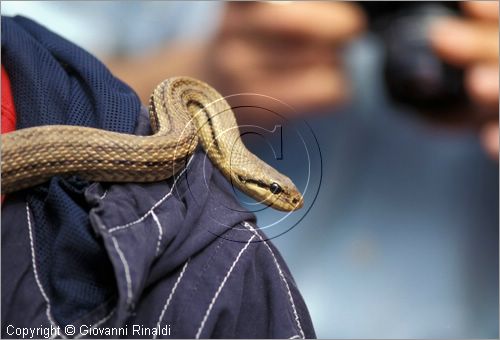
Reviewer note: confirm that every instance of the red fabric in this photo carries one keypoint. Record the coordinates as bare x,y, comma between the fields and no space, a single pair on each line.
8,109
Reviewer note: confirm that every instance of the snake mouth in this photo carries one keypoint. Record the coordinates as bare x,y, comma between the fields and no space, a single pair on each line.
286,206
259,190
283,201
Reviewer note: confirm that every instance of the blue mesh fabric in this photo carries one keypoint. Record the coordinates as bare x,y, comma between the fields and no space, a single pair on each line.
56,82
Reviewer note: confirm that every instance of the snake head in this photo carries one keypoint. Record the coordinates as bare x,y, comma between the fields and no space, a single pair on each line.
269,187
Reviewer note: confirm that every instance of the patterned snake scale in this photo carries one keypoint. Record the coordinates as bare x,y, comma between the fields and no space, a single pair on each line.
183,112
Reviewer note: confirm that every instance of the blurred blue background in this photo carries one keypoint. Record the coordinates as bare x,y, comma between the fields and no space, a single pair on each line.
402,241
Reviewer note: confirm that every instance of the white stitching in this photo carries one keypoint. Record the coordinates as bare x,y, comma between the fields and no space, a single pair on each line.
160,232
246,224
103,195
126,268
35,272
140,219
219,289
167,303
33,256
98,323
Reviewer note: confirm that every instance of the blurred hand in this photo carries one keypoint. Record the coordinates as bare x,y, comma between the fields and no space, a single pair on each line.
289,51
472,43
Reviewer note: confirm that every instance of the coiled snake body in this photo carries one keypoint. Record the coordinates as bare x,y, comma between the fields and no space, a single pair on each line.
183,111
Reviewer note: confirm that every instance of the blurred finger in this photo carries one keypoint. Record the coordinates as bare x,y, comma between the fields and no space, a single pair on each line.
489,139
302,88
482,84
318,21
463,42
487,10
243,57
313,87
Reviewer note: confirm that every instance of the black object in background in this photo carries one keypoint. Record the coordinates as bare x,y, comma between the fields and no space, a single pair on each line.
413,73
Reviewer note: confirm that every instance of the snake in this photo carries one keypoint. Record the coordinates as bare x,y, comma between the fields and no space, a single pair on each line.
184,112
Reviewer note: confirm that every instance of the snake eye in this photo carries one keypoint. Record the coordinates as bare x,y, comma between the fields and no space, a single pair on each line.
275,188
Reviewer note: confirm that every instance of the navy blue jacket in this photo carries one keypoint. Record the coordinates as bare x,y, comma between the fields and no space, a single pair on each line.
182,256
